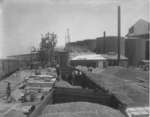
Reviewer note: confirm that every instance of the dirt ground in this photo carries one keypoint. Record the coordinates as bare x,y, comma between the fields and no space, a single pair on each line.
15,79
130,85
80,109
18,77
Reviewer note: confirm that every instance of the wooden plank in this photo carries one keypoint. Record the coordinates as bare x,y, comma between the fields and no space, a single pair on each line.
47,100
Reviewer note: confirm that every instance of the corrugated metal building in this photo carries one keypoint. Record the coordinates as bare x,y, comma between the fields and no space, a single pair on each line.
84,45
136,50
61,57
109,44
137,42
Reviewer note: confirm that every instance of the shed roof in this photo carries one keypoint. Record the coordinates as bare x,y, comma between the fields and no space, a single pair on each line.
89,57
98,57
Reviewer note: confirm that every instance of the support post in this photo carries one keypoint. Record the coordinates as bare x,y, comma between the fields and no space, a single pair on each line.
119,35
104,43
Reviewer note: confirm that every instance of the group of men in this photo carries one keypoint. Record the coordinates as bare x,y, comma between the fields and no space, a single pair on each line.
78,78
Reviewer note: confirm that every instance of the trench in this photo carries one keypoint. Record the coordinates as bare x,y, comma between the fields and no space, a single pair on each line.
89,92
64,95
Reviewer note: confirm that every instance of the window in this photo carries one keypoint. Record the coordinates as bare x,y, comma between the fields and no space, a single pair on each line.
131,30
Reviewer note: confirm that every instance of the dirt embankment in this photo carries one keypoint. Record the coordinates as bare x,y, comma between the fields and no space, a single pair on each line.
131,86
80,109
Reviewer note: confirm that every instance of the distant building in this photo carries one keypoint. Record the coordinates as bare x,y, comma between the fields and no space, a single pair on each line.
27,59
61,57
137,42
81,46
88,60
112,59
109,44
98,60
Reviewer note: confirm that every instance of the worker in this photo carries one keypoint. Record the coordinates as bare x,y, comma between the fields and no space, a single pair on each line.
38,71
58,71
76,75
83,80
73,78
80,78
8,91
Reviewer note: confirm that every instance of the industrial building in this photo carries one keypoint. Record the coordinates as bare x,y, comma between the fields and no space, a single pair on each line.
137,42
61,57
109,44
84,45
25,60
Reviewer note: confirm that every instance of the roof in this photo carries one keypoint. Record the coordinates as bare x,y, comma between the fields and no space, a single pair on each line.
34,53
114,56
145,61
142,21
140,29
138,111
98,57
89,57
109,37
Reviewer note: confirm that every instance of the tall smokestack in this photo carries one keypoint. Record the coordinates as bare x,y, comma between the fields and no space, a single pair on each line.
104,43
68,35
119,34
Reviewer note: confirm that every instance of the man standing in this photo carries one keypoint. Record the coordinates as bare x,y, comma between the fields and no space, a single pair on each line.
8,92
58,71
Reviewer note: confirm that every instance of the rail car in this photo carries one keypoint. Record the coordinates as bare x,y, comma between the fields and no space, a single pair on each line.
8,66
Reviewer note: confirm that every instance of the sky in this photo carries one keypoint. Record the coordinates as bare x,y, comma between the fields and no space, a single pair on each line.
23,21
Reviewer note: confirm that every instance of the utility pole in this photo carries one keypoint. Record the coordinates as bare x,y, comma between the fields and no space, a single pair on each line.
65,39
119,35
68,36
104,43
